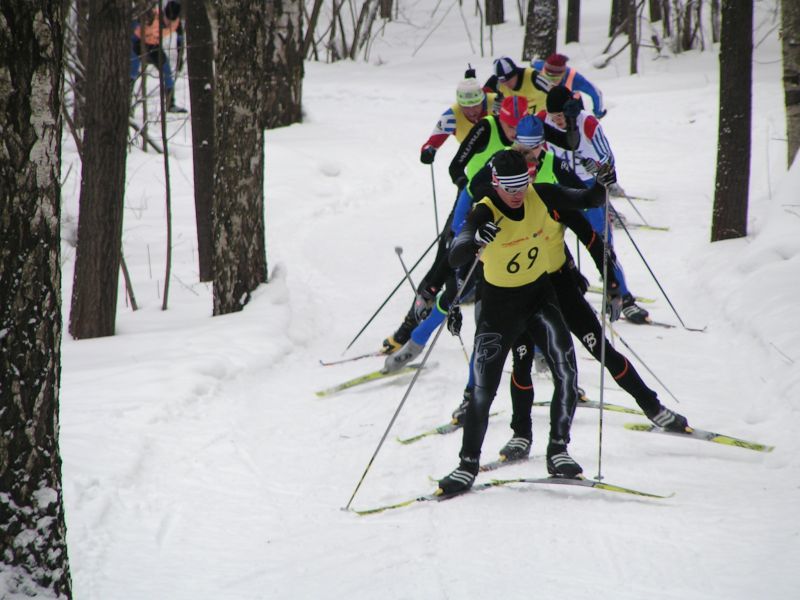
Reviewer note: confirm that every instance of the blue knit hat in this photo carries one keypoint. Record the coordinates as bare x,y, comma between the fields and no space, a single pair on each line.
530,131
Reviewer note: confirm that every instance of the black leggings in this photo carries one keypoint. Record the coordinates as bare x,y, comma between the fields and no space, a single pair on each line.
506,314
584,324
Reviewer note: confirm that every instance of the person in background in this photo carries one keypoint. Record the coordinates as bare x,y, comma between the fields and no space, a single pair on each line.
586,150
489,135
471,105
151,32
555,72
511,80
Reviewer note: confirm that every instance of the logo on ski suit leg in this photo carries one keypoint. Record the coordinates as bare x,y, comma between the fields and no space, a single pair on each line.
522,351
487,348
590,341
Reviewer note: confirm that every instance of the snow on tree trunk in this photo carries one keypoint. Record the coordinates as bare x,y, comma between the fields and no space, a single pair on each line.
283,81
105,147
729,219
541,29
790,22
33,547
240,262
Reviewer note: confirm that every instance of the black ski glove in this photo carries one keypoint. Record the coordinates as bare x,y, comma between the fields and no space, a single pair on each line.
423,304
454,320
591,165
572,108
486,233
427,155
606,175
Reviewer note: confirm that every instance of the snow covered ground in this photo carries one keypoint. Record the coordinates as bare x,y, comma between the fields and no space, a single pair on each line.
198,463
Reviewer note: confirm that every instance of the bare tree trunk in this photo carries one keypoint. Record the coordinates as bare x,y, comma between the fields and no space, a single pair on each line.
32,527
715,21
494,12
283,62
200,65
386,9
619,12
240,262
312,25
359,28
790,35
573,21
690,22
81,53
729,219
655,10
633,33
162,96
97,259
665,20
541,29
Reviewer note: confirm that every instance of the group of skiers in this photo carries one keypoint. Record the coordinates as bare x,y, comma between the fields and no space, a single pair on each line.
531,162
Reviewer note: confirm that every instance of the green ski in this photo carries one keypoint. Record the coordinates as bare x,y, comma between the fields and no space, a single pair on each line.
362,379
595,404
701,434
589,483
440,430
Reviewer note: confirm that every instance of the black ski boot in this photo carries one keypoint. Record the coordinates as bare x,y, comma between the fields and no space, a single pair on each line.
395,341
459,480
560,463
460,414
633,312
516,448
669,420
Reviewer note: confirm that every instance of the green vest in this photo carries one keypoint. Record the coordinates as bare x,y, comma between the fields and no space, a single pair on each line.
545,172
481,158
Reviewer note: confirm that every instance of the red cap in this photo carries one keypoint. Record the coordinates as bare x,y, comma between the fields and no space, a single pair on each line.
513,109
555,64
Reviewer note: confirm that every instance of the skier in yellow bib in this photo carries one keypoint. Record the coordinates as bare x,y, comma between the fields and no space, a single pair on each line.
511,224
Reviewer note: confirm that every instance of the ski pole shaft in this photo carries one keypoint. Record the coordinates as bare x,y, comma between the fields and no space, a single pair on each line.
399,251
644,260
410,386
636,210
644,364
435,207
389,297
603,305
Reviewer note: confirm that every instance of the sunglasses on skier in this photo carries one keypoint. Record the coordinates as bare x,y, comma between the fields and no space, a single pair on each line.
512,184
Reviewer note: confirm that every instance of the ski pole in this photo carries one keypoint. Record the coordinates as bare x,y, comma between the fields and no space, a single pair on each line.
435,208
644,364
603,305
636,210
644,260
399,251
389,297
412,382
